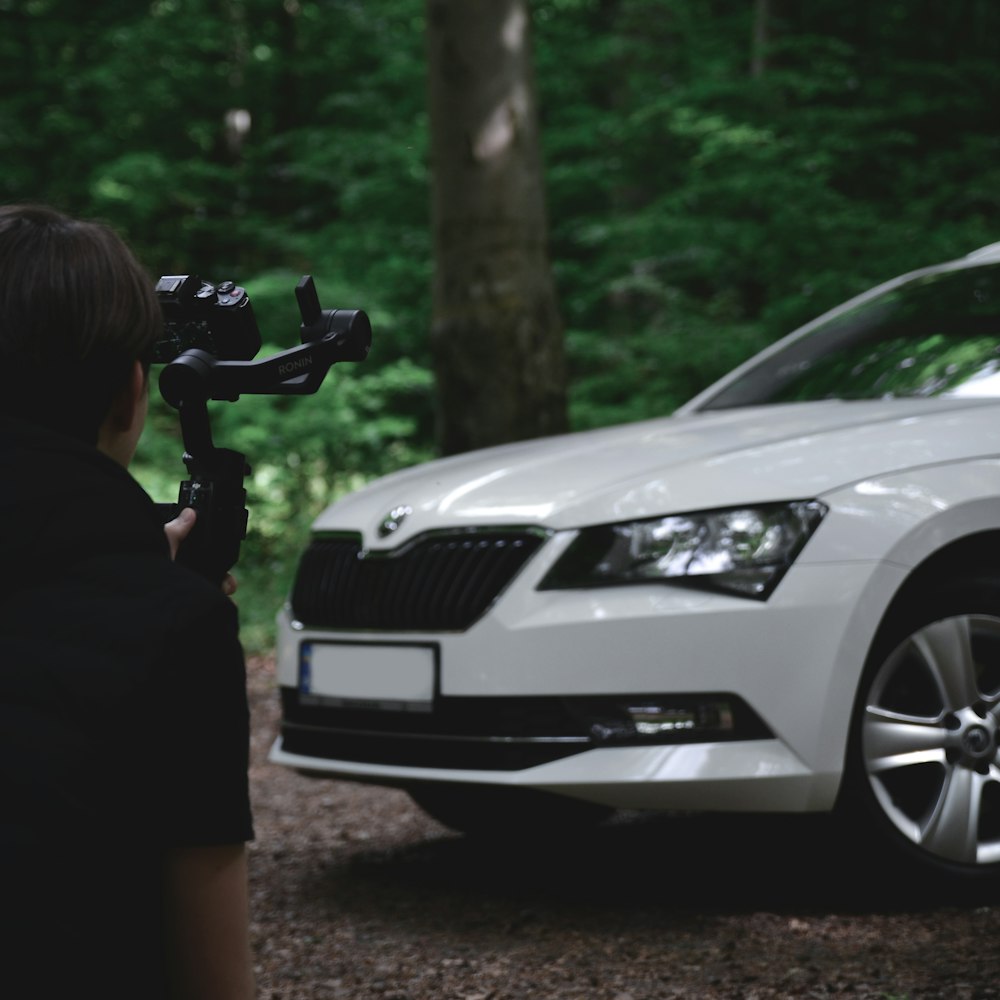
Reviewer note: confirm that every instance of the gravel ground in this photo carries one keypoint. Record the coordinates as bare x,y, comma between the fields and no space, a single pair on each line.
356,893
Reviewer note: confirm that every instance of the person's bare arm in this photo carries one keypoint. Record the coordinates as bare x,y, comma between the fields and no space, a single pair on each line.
208,923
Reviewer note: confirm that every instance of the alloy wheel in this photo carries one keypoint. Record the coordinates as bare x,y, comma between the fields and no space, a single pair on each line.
929,739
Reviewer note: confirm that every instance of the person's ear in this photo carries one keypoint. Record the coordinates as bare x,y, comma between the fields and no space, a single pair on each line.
129,405
119,434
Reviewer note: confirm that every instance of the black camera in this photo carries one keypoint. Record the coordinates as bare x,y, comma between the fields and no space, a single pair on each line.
210,339
197,314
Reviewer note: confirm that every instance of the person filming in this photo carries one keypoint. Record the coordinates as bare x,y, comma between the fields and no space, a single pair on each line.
124,724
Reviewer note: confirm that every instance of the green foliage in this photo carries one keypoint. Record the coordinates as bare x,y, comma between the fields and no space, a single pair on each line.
698,211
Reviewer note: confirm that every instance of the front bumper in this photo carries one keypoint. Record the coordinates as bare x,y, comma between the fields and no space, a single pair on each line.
793,662
758,775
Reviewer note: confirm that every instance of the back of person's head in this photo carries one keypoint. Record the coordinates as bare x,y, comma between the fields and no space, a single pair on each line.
77,311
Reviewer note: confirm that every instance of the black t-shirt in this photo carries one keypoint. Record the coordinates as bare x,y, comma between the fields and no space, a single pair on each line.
123,721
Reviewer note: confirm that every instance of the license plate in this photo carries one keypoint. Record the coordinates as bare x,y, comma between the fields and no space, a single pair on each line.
368,675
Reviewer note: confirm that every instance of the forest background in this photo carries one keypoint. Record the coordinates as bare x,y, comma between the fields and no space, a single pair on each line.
717,173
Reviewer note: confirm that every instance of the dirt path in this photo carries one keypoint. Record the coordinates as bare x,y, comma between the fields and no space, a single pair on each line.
357,894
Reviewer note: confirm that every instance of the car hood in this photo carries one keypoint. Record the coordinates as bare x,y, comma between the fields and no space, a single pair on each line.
674,464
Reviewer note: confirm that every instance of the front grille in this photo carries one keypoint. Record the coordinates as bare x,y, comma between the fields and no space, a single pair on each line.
438,582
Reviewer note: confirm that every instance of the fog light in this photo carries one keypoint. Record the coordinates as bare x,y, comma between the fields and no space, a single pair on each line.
664,720
682,719
645,719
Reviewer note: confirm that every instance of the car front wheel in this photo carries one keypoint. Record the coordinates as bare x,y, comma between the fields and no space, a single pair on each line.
924,762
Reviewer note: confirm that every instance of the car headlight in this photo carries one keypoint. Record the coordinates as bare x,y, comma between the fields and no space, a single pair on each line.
740,550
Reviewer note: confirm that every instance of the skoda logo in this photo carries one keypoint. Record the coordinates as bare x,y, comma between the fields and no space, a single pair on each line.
393,520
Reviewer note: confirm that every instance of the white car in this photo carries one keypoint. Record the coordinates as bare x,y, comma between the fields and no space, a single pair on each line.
784,597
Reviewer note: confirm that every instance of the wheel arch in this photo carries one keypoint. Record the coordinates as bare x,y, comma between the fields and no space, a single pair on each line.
973,555
960,579
970,556
910,572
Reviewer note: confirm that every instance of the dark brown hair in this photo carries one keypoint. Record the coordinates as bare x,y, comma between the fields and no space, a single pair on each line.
76,311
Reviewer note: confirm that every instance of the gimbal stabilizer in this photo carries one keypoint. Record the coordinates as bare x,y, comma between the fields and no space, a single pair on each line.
220,319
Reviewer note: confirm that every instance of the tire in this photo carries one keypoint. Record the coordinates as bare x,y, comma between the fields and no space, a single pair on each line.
923,767
508,813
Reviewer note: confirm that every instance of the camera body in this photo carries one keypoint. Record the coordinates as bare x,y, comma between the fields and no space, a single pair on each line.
217,319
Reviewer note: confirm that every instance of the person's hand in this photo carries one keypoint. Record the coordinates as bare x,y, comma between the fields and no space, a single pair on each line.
178,529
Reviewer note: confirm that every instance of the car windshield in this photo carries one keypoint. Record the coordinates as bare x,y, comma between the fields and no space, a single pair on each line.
935,335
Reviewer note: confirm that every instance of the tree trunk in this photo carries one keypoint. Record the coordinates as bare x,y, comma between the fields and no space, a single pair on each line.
761,37
496,334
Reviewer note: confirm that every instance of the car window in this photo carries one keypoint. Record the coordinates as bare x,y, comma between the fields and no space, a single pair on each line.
936,335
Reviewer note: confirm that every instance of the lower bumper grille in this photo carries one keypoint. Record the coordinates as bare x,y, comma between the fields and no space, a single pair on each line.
495,733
